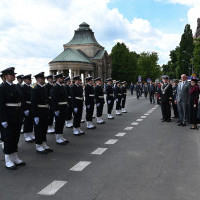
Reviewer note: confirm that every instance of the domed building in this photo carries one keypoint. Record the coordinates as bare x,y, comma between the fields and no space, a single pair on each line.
83,55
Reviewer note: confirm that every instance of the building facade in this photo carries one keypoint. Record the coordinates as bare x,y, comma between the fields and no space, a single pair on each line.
197,34
83,55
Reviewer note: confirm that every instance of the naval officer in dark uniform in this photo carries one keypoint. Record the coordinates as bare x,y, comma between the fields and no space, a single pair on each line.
124,91
49,86
68,122
166,95
77,104
99,100
11,115
28,115
110,97
60,105
118,98
89,102
1,128
40,109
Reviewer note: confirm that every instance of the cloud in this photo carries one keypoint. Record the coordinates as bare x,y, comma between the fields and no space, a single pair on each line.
33,32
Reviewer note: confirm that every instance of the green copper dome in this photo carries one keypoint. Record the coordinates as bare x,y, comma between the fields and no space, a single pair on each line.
83,35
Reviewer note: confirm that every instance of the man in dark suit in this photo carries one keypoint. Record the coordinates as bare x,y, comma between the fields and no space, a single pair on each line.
60,105
11,115
89,102
28,115
152,91
49,86
40,109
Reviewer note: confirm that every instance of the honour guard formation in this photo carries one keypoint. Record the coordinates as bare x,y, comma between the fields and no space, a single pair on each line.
50,106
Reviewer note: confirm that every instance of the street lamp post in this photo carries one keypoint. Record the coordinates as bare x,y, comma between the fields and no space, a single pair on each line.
192,57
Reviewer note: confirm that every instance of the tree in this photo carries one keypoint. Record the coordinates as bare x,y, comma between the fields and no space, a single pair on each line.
148,65
197,57
124,63
185,52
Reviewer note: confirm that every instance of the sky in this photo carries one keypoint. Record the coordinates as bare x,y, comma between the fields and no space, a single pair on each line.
32,32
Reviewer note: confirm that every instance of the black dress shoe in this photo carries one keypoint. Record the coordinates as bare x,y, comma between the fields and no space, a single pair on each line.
77,134
169,120
21,164
12,167
183,124
180,124
82,133
49,150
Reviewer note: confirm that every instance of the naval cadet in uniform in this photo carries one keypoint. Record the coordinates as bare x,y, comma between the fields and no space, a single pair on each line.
60,105
77,104
49,86
99,100
40,109
89,102
28,115
110,97
124,91
11,115
118,98
68,122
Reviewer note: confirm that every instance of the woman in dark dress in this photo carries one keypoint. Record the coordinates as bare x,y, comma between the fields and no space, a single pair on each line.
193,103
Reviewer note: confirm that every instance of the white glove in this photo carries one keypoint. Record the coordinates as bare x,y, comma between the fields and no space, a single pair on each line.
4,124
57,113
109,101
98,104
26,112
116,100
75,110
36,119
88,106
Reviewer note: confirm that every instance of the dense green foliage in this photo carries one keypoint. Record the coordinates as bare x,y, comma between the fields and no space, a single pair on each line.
197,57
128,65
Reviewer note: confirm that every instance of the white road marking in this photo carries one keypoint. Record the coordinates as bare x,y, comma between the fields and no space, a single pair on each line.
120,134
143,117
99,151
128,128
146,114
134,123
80,166
139,120
52,188
111,141
153,108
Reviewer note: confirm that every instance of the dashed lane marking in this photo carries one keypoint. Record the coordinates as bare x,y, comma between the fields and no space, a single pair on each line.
80,166
139,120
52,188
111,141
134,123
143,117
146,114
99,151
128,128
120,134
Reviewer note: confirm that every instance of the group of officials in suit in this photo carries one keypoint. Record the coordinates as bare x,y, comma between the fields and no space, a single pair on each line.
35,109
183,96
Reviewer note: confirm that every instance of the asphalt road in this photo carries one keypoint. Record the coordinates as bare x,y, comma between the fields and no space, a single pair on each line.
150,160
